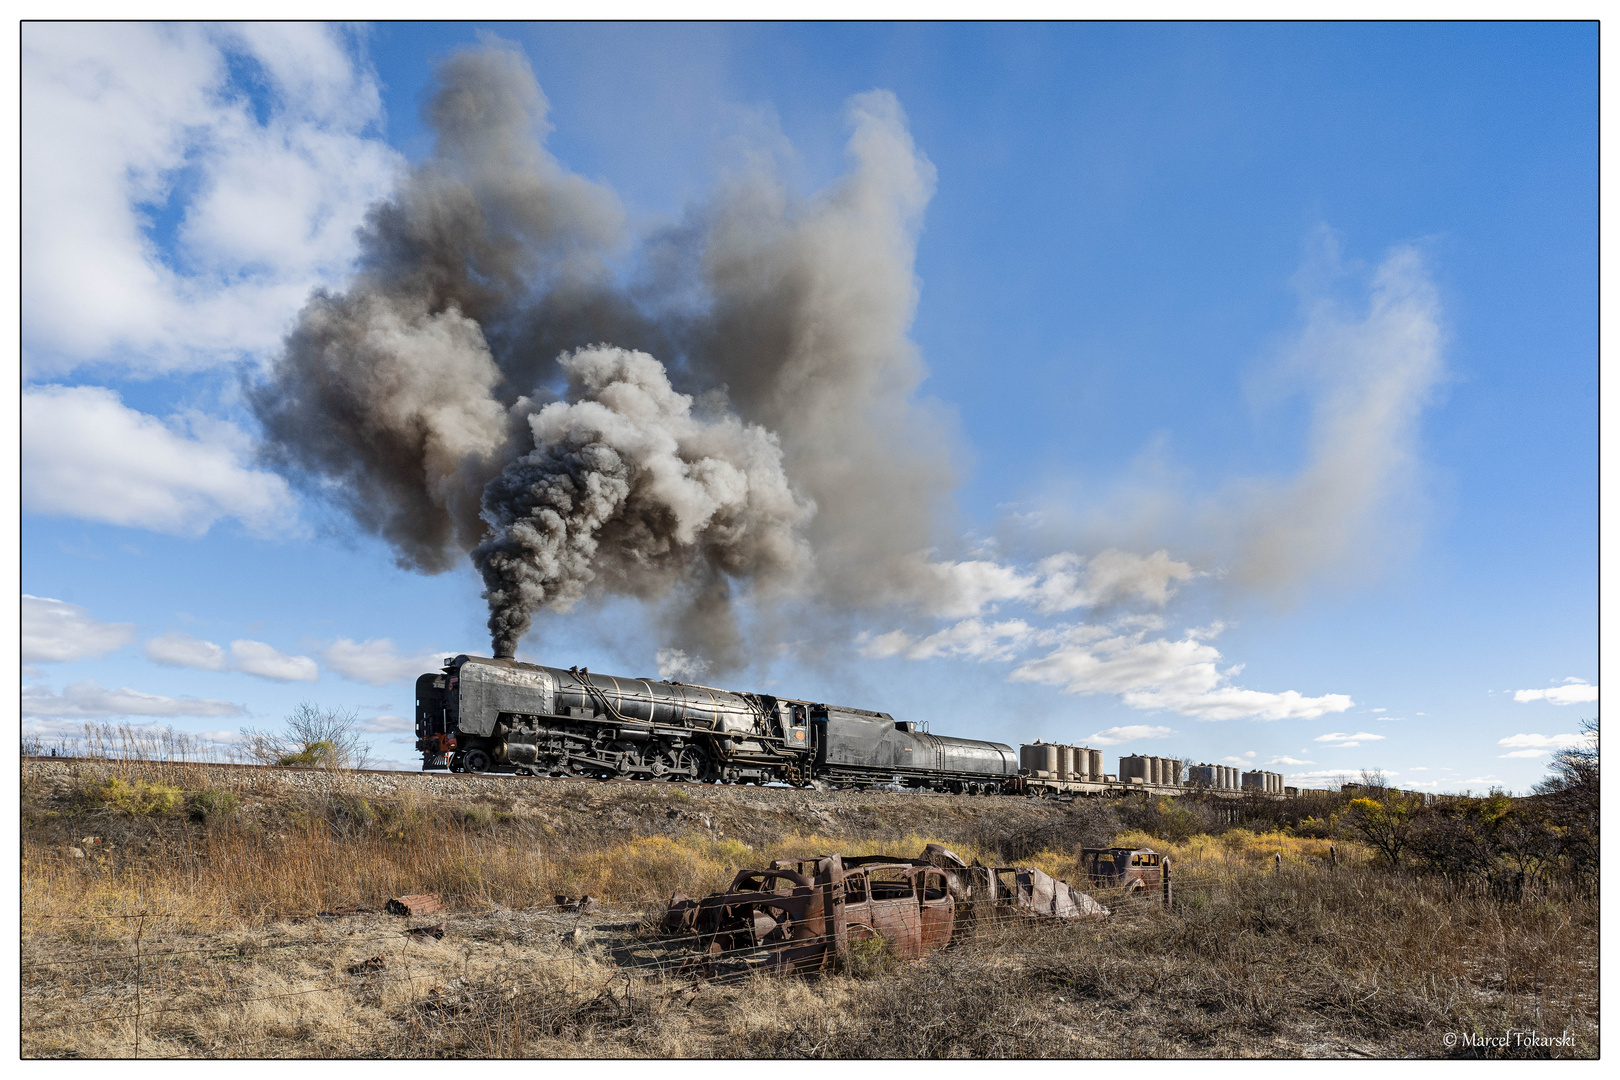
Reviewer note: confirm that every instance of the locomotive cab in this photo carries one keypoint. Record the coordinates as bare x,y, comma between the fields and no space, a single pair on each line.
435,730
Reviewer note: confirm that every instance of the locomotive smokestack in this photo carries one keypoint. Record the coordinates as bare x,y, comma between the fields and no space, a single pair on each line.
504,653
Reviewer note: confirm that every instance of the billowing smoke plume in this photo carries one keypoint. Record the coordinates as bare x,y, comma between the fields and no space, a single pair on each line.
625,484
776,421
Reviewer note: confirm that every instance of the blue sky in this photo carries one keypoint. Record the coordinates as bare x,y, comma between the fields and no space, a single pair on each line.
1264,357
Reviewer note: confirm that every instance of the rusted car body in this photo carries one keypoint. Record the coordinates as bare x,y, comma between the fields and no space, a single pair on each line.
1133,871
804,914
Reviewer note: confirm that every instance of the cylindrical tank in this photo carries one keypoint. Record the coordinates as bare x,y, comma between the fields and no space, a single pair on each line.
1096,769
1065,769
1049,758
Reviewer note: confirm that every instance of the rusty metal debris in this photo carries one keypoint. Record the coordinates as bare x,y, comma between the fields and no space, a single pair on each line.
425,904
807,914
365,967
584,905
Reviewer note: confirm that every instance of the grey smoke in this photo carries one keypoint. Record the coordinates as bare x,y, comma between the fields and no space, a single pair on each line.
738,419
626,487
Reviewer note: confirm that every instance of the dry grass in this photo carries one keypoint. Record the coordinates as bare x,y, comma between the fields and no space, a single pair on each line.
1314,960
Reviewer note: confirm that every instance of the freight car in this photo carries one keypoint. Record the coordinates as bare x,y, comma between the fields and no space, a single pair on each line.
498,715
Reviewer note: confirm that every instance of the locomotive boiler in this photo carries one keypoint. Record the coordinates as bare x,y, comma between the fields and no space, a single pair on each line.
499,715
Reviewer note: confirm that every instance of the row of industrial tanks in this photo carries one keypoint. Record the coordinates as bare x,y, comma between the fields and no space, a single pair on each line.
1081,764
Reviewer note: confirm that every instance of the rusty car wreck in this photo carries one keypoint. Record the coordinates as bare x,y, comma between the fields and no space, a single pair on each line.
804,915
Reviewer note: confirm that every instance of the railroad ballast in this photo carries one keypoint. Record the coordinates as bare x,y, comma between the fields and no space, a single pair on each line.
481,714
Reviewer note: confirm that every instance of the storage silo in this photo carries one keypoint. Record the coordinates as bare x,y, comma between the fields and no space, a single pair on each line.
1096,766
1065,769
1049,759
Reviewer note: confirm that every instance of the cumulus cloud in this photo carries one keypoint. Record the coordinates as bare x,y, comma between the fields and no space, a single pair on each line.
1289,761
176,649
1058,583
389,725
971,639
54,631
378,663
169,218
1159,673
88,700
85,454
1533,745
1573,691
265,661
1128,733
1341,741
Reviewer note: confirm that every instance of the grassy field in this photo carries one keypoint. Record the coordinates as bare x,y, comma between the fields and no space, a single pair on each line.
192,899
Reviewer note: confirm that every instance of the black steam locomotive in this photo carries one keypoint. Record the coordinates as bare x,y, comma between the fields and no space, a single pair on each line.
498,715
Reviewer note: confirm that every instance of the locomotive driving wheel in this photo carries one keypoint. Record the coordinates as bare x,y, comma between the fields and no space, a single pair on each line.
475,761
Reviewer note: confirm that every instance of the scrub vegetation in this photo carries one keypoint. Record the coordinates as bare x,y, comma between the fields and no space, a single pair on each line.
211,911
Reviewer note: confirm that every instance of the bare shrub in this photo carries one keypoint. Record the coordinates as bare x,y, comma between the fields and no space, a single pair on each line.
313,737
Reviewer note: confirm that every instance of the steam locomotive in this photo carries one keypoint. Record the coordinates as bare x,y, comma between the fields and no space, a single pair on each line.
481,715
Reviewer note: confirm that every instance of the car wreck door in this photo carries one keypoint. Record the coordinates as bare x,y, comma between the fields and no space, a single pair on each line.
896,912
937,909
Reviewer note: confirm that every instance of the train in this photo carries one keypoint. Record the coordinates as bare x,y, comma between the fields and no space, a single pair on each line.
483,714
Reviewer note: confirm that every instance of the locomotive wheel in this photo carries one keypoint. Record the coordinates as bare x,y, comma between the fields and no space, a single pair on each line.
676,765
475,761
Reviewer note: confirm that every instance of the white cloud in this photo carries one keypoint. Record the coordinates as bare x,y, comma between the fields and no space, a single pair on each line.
1061,582
389,725
257,658
85,454
1423,783
1333,775
1111,576
1573,692
54,631
1378,710
87,700
970,639
130,126
1339,740
1289,761
182,650
1180,676
377,662
1129,733
1533,745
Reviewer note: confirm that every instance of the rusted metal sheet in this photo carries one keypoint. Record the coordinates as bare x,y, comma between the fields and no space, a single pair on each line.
424,904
